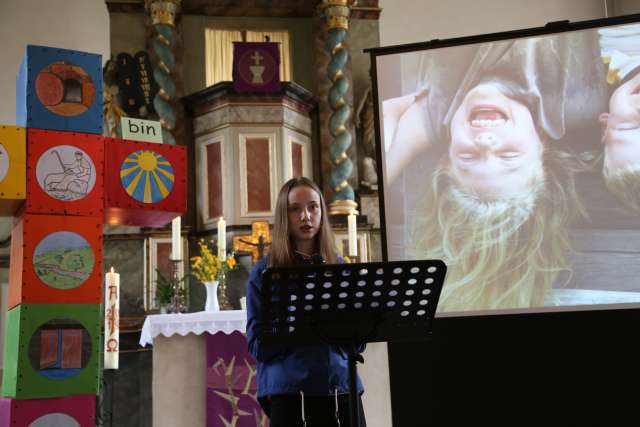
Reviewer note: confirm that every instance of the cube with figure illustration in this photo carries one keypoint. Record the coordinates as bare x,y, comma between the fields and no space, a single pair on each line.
63,411
55,259
59,89
64,173
51,350
145,183
13,153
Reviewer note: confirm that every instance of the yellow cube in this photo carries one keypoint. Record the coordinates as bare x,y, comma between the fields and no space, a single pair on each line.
13,169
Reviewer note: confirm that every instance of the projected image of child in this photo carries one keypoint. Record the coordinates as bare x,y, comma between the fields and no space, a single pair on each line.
620,49
498,207
498,204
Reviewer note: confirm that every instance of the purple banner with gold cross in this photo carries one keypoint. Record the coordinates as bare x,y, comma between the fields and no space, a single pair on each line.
231,383
256,67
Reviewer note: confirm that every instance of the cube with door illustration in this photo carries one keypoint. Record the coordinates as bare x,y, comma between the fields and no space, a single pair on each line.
59,89
51,350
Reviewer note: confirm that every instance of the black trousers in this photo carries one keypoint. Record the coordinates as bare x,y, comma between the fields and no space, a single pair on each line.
320,411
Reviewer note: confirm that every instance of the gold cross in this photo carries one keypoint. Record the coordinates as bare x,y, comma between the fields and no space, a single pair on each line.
257,243
257,57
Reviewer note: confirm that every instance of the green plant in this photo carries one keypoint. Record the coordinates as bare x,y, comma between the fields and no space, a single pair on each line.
165,288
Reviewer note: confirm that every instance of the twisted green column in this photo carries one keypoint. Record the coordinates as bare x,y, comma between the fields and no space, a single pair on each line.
337,14
163,13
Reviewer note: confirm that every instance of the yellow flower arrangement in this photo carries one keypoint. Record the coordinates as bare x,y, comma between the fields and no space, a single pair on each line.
208,267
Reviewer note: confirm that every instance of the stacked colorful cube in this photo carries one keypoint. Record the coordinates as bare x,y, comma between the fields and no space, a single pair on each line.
62,180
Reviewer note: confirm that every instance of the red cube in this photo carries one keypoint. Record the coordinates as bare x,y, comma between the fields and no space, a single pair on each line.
145,183
56,259
68,411
64,173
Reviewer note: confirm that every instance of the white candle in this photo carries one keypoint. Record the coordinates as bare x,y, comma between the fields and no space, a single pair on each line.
176,241
353,235
222,239
111,319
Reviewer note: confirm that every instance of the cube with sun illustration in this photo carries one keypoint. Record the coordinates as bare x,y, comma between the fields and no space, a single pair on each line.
59,89
55,259
62,411
145,183
55,351
64,173
12,169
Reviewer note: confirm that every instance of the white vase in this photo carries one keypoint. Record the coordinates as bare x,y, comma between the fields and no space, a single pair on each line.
211,303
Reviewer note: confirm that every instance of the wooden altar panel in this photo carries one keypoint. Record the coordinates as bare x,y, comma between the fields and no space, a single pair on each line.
258,180
296,159
258,175
214,179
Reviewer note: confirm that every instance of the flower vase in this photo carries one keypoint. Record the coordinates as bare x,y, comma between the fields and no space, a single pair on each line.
211,303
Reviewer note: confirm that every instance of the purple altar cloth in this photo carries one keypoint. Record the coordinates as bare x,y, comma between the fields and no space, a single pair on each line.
256,67
231,383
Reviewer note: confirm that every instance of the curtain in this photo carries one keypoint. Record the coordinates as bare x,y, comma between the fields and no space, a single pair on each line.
219,54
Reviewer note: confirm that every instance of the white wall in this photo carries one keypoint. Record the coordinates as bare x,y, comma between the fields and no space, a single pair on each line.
625,7
409,21
70,24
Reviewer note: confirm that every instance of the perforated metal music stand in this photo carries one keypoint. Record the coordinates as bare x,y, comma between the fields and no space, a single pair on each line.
351,304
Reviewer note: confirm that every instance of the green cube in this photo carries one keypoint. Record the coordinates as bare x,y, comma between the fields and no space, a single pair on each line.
52,350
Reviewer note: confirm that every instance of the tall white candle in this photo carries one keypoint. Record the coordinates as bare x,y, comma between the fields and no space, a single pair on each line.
176,243
353,235
222,239
111,319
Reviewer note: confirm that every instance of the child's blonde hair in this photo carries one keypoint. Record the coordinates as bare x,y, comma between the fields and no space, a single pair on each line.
500,254
624,183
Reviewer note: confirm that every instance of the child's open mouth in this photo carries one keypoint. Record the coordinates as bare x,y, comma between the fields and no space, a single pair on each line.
487,117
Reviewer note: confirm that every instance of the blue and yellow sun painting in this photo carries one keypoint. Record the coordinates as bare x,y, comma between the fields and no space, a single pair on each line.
147,176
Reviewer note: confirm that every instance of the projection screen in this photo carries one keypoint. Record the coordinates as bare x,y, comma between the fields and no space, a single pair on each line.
516,161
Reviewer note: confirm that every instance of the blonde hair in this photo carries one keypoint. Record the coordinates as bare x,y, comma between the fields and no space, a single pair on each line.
500,253
624,183
282,249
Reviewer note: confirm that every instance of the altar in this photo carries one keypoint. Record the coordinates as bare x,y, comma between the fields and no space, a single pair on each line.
204,376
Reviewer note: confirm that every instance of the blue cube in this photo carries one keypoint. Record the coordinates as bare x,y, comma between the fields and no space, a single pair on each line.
60,89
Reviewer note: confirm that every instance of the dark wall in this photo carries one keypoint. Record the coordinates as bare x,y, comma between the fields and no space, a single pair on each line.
566,369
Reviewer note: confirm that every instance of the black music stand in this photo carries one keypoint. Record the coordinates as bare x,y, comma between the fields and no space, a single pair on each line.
349,305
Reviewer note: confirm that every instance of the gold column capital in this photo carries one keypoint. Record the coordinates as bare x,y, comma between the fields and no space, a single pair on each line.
162,11
337,12
343,207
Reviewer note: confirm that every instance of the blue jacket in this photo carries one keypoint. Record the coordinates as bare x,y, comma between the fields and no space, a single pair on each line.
316,370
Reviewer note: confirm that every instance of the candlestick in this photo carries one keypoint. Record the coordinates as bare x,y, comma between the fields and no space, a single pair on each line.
176,249
178,303
111,319
353,235
222,239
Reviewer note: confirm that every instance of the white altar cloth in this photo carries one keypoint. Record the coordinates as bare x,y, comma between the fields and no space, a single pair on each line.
197,323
